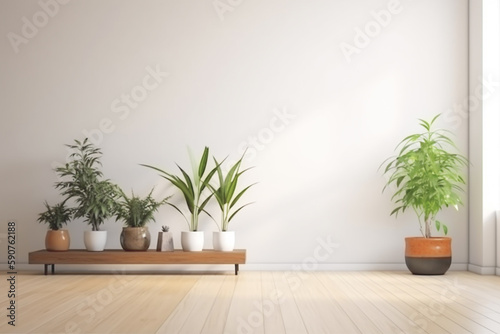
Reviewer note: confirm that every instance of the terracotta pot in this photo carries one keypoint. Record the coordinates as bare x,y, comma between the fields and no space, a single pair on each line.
135,238
57,240
428,256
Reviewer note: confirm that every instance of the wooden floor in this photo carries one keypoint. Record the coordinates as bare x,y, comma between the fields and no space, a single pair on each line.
254,302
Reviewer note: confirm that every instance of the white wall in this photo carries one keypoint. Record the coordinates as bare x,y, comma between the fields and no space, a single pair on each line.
484,135
230,73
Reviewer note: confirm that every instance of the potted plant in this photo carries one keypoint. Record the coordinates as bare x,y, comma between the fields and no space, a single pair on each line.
227,197
136,212
192,188
427,177
95,197
57,238
165,240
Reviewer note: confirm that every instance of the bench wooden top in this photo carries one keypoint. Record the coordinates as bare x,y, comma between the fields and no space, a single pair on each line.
119,256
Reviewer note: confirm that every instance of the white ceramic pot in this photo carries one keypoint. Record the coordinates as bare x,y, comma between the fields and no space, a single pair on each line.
223,241
192,241
95,241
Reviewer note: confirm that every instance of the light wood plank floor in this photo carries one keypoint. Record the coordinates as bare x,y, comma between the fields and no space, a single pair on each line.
254,302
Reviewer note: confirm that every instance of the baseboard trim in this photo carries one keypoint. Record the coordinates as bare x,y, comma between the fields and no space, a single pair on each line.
172,268
498,241
340,267
482,270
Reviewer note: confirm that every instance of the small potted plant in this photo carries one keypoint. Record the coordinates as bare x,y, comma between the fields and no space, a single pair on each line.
227,197
165,240
192,188
427,177
57,238
95,197
136,212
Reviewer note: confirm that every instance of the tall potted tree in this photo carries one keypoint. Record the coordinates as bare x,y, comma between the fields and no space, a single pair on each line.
193,188
136,213
227,197
95,197
427,177
57,238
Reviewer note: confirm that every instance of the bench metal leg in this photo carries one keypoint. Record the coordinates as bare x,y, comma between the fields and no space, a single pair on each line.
236,269
46,267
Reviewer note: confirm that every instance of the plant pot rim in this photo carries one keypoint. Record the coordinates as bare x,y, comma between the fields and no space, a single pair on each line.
431,238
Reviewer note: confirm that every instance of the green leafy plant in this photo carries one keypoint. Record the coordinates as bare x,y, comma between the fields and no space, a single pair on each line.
192,187
82,181
427,176
226,194
137,212
55,216
165,228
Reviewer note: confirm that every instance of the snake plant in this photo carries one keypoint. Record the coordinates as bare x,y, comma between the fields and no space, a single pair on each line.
192,187
226,194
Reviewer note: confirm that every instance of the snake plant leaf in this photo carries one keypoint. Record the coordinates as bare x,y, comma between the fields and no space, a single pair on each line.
208,178
187,189
180,211
240,194
191,186
231,188
203,162
202,206
225,191
239,209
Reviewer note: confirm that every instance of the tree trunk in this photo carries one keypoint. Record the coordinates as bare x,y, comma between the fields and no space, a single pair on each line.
428,227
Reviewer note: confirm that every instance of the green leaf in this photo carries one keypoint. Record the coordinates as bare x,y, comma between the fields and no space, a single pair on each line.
240,194
235,212
203,162
191,186
426,172
202,206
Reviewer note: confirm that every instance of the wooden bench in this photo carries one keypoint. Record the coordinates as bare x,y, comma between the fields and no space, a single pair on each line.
118,256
